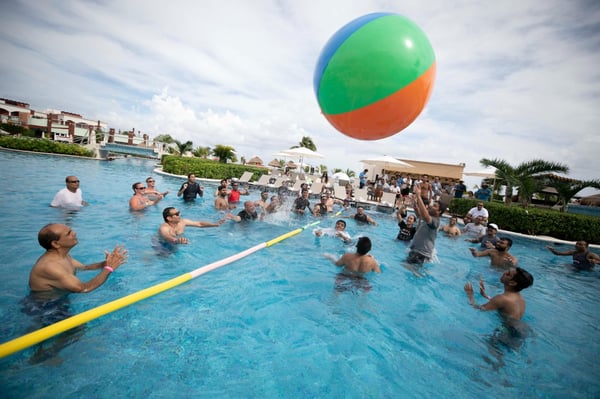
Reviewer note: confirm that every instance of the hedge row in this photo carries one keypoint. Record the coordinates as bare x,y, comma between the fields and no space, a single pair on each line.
536,221
207,168
44,145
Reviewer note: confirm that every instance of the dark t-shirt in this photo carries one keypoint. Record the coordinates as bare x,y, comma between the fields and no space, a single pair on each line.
301,203
406,233
247,216
192,190
459,190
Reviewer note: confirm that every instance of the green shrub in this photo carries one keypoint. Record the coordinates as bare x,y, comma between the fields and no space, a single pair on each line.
536,221
44,145
207,168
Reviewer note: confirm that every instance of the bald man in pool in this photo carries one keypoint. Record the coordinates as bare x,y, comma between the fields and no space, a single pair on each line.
55,269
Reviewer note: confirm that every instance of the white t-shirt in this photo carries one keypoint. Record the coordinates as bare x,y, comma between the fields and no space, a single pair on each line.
68,199
474,212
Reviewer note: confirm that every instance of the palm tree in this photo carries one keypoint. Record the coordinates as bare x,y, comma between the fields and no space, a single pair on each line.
523,176
350,173
201,152
224,153
306,142
183,147
567,188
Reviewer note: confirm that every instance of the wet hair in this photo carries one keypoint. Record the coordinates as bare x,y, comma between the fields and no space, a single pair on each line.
46,236
167,212
341,221
221,187
363,246
508,240
134,185
191,174
523,279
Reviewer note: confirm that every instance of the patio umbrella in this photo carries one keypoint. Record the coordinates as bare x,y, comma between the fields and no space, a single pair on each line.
301,153
488,173
340,176
386,162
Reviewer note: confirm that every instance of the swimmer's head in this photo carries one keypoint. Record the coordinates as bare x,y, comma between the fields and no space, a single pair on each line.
341,224
522,278
363,246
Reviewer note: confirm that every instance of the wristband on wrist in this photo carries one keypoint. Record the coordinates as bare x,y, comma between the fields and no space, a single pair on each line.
110,269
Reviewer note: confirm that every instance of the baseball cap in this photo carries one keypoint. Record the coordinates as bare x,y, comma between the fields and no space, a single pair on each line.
493,226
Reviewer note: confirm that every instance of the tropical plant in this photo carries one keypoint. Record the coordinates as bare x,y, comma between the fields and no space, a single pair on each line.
183,147
323,168
306,142
524,177
567,188
224,153
201,152
350,173
336,170
165,138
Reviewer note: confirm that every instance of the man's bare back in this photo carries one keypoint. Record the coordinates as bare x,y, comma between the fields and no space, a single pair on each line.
355,263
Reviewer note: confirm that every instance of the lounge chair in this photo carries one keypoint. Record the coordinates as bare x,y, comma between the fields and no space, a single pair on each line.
315,189
246,176
263,181
339,192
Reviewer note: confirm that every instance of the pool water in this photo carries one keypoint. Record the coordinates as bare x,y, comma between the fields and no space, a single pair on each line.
272,324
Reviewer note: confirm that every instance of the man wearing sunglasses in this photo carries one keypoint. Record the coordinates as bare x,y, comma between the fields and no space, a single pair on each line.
69,197
172,229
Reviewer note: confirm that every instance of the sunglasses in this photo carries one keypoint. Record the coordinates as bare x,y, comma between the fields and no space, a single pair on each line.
73,181
175,214
140,188
149,181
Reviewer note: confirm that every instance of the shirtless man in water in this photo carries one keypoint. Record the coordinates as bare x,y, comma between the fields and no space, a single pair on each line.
509,304
173,227
357,263
55,270
499,254
451,229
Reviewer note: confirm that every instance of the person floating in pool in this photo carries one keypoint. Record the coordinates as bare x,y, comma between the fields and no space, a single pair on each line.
423,243
583,258
171,231
338,231
499,255
53,277
356,265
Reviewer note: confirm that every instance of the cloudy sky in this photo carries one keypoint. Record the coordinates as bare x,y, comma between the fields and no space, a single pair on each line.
516,80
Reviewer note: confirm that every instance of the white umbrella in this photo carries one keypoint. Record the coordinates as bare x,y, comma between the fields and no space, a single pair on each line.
340,176
488,173
386,162
302,152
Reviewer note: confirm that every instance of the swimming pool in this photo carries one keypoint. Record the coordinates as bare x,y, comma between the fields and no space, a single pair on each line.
271,324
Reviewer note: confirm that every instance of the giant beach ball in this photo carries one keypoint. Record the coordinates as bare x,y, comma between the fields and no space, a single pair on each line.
375,76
